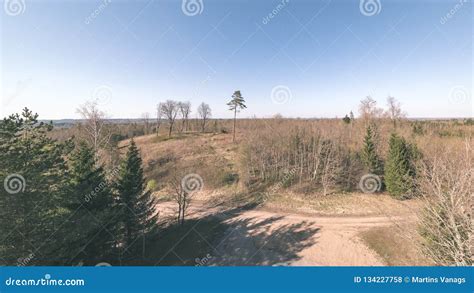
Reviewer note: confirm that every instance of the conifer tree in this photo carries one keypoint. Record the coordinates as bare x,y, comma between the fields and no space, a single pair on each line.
346,119
237,102
137,206
370,157
93,221
32,197
400,169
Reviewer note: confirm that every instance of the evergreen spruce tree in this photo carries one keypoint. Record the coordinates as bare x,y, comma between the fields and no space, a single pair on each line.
400,169
138,208
32,196
346,119
370,157
92,223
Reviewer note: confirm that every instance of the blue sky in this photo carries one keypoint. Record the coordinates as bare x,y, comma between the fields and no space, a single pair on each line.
325,55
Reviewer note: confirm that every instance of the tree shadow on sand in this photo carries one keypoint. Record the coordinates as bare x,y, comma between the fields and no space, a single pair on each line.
228,239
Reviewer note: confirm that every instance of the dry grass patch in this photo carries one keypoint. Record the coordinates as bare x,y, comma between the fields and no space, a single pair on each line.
208,155
354,204
397,246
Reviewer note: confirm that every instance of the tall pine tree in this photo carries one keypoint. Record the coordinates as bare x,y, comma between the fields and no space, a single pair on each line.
137,206
237,102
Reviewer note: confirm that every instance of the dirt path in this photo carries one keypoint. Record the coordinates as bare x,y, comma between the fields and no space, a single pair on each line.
259,237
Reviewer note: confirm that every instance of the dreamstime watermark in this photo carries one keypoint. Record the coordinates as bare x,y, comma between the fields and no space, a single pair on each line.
459,95
203,261
97,11
276,187
370,7
24,261
192,7
192,183
370,183
102,95
444,19
100,187
46,281
281,94
275,11
14,7
14,183
285,178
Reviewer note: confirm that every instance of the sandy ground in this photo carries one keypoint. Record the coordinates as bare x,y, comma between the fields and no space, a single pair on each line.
261,237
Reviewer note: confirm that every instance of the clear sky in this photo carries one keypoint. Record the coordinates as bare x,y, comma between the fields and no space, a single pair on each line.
320,58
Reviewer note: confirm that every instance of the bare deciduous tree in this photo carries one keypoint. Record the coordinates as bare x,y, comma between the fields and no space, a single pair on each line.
94,126
170,110
159,115
447,187
331,166
394,110
204,112
181,197
185,109
146,122
368,109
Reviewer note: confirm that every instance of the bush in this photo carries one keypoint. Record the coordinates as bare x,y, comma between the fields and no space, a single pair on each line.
447,227
151,185
417,128
230,178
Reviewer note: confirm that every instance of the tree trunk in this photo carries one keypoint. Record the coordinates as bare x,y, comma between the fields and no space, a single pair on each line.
235,115
171,128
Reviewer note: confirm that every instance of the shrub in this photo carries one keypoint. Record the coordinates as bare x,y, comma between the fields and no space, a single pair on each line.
151,185
230,178
417,128
346,119
447,227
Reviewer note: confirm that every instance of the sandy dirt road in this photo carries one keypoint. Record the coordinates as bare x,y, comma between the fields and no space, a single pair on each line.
261,237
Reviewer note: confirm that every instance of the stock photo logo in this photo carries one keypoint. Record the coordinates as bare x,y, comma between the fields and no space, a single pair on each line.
97,11
102,95
370,7
275,11
14,183
192,7
14,7
459,95
370,183
281,95
192,183
451,13
24,261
